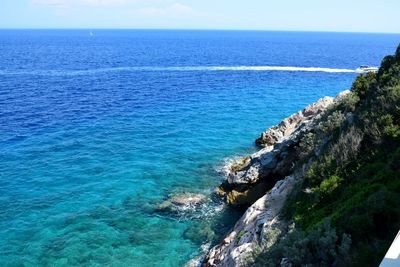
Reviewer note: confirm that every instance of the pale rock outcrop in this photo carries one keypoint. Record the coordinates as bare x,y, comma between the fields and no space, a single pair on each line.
258,229
286,127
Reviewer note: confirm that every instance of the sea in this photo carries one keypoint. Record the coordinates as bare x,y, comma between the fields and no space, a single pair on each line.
99,127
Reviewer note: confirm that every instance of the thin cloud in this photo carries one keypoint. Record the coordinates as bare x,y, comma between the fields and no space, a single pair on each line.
174,10
150,7
69,3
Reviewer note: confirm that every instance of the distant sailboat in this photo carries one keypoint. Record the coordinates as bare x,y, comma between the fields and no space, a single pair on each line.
91,33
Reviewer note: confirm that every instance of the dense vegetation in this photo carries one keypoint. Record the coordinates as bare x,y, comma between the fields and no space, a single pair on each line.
346,211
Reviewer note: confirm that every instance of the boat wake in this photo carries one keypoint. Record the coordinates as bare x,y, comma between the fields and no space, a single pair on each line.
261,68
174,69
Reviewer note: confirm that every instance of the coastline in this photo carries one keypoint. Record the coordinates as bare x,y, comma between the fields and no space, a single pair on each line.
246,185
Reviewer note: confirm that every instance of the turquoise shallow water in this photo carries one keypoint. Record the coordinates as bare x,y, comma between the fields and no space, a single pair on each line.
95,132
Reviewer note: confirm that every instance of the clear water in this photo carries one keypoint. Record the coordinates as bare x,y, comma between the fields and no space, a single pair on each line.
96,131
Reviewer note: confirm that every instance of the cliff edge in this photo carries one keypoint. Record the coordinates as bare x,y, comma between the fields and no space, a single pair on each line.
324,189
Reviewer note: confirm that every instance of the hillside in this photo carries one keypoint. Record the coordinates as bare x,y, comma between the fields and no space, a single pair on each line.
325,188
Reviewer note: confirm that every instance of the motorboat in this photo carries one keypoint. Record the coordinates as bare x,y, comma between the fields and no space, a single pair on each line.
366,69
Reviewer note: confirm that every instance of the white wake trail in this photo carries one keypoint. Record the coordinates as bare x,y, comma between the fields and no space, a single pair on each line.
173,69
259,68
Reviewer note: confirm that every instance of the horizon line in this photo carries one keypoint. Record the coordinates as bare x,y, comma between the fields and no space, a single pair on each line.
199,29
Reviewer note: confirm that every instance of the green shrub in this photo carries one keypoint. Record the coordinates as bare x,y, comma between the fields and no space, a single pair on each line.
328,186
347,147
240,235
332,123
319,247
363,84
349,102
306,146
394,162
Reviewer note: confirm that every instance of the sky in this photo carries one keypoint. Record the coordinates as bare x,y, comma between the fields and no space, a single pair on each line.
292,15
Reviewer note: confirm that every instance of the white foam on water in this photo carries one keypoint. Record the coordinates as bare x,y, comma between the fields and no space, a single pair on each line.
225,166
173,69
198,259
260,68
204,211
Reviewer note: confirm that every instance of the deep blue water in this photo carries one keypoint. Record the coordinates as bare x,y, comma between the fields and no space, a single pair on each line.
96,131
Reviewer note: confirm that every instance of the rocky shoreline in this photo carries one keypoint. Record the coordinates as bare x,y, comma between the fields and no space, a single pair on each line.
262,182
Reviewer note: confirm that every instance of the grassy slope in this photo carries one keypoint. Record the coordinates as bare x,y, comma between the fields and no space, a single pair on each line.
347,210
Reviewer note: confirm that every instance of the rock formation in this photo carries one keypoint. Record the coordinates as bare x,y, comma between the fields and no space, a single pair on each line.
261,219
264,180
250,177
289,125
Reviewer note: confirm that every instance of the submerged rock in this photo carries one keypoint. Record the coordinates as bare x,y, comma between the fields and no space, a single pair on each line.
182,201
199,233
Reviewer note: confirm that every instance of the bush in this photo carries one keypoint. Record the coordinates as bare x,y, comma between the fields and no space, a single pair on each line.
328,186
363,84
389,72
347,146
394,162
348,102
319,247
331,123
306,146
